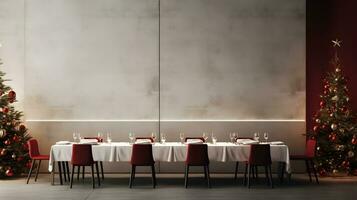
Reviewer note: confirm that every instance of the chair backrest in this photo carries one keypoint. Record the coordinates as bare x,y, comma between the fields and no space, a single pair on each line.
195,138
82,155
33,148
97,138
310,148
260,154
147,138
141,155
197,154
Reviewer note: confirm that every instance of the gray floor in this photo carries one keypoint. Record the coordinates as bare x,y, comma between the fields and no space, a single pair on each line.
171,187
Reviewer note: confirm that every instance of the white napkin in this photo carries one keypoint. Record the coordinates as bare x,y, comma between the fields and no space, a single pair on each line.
194,141
63,142
241,141
143,141
89,141
250,142
277,143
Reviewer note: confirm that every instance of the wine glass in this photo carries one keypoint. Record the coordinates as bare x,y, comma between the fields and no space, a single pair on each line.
163,138
205,136
182,137
75,136
231,136
266,136
79,137
109,138
100,136
214,139
153,136
256,136
131,137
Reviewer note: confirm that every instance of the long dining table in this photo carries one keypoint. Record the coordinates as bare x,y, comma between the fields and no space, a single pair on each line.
168,152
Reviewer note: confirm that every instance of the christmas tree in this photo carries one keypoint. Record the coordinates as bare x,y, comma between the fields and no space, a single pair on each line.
335,124
14,158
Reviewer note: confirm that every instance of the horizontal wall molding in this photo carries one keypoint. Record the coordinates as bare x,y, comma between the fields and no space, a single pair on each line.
165,120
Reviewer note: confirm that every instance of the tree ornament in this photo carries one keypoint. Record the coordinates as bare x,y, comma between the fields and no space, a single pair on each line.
335,98
322,104
316,128
354,140
22,127
350,154
318,120
334,126
332,137
7,142
13,156
2,133
338,70
5,109
3,152
9,172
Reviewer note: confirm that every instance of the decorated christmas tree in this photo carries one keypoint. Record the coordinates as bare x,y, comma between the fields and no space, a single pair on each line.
335,124
14,158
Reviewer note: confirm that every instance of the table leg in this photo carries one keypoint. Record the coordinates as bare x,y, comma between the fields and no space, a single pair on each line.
53,173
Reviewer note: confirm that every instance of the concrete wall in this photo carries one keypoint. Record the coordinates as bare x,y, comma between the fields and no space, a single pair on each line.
89,66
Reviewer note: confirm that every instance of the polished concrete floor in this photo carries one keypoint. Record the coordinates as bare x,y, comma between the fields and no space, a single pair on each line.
171,187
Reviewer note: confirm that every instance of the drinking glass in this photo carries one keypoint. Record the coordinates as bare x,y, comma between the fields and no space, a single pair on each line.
256,137
109,138
100,136
75,137
205,136
163,138
182,137
231,136
266,136
79,137
153,136
131,137
214,139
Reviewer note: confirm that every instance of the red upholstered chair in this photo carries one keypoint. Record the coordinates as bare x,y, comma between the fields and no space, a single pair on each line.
100,162
259,156
142,156
237,163
82,156
197,155
195,138
35,155
148,138
308,157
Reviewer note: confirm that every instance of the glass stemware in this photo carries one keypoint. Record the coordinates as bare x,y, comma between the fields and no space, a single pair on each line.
131,137
109,138
214,139
266,136
100,136
163,138
153,136
256,136
205,136
75,137
182,137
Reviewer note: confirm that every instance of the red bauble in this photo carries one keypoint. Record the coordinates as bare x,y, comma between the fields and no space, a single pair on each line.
325,92
354,140
316,128
9,173
16,138
323,126
2,152
20,158
326,86
12,94
332,137
5,110
22,127
322,104
7,142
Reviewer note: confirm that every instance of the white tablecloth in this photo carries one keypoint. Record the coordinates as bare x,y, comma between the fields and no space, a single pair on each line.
169,152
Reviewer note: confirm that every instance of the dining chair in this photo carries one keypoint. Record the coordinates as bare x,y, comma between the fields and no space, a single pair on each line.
35,155
195,138
100,162
259,156
145,138
197,155
82,156
255,170
308,157
142,156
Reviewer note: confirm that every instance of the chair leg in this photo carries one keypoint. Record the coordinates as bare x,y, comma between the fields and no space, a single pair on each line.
205,172
71,181
153,176
308,169
93,180
101,168
30,172
132,175
60,172
271,177
208,176
79,171
38,169
245,175
64,171
68,172
314,170
97,169
266,175
236,171
282,171
256,172
249,169
83,171
186,175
